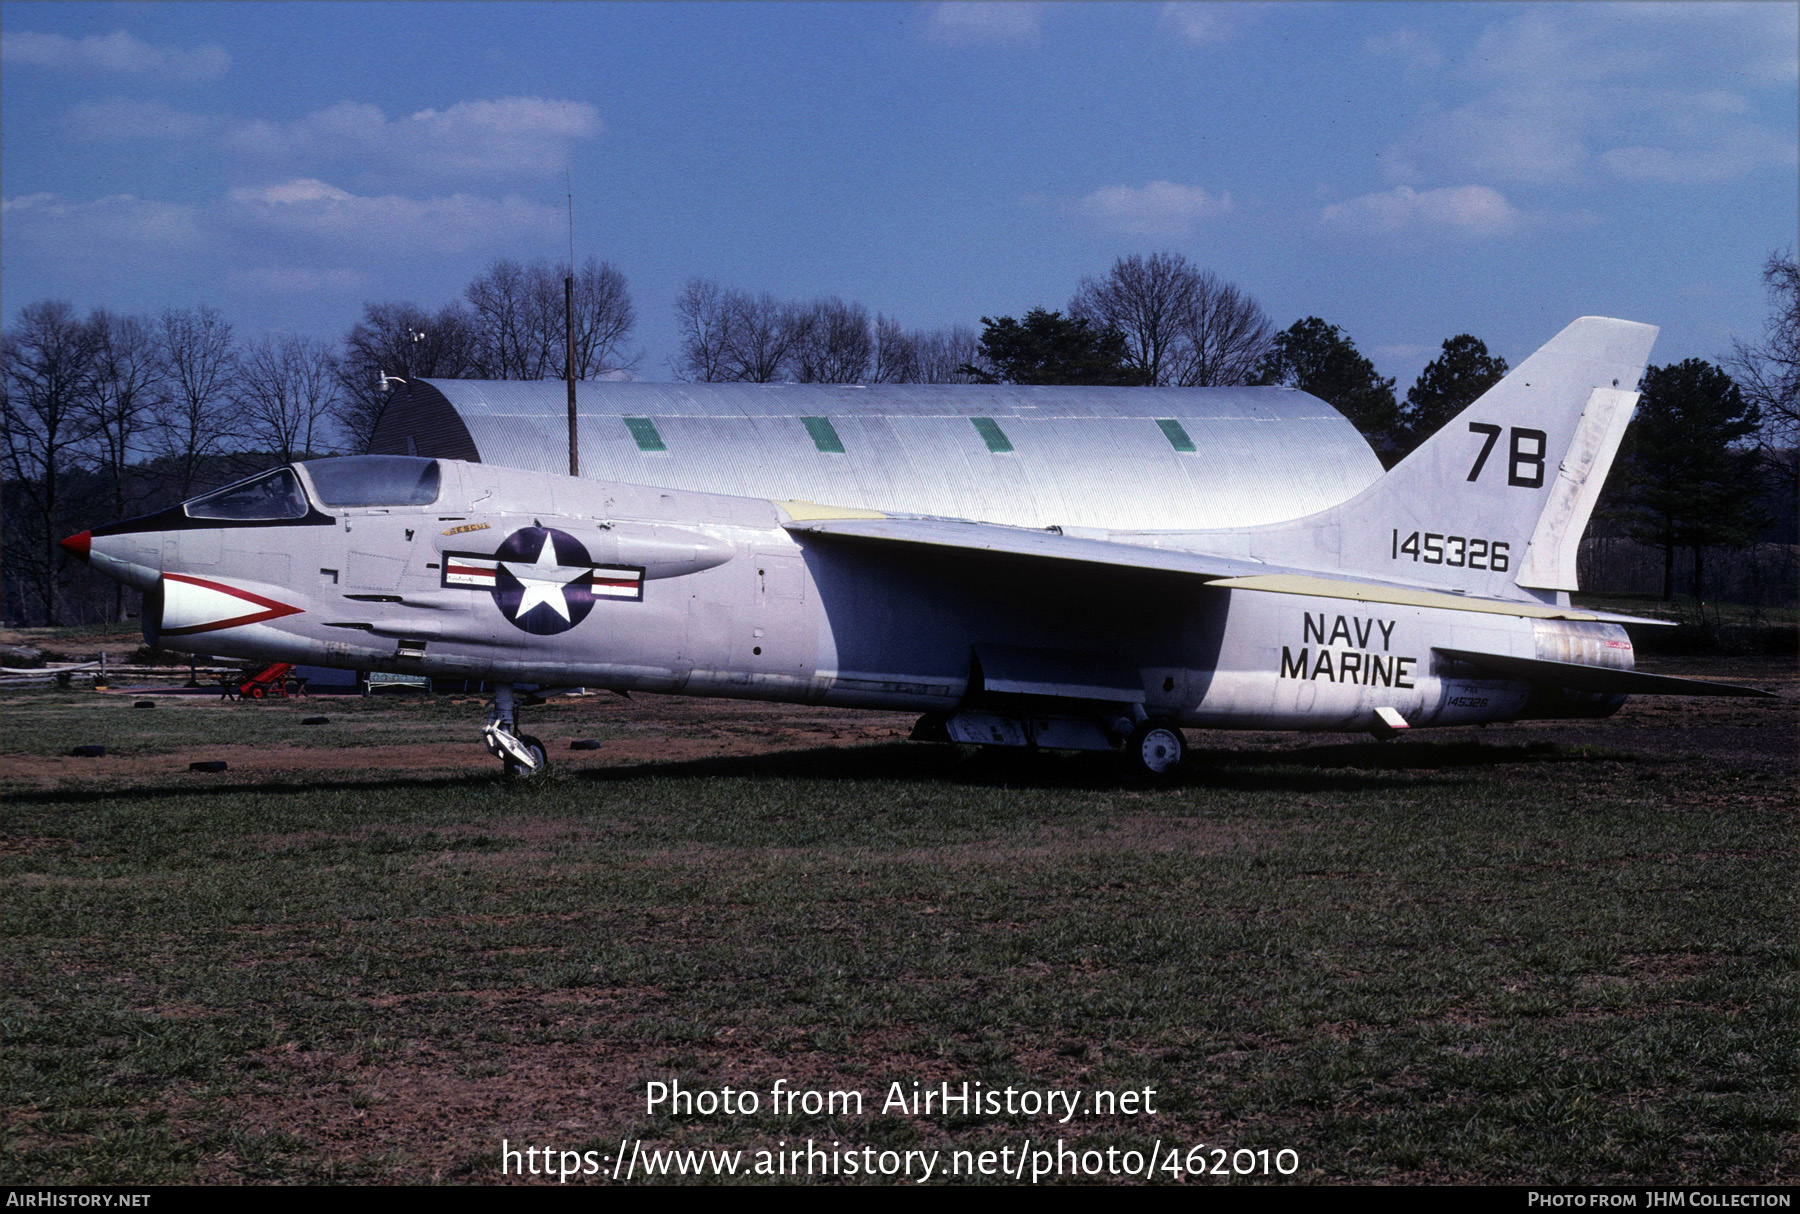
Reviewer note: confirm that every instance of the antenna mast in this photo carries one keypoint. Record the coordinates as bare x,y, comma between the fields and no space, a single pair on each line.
569,334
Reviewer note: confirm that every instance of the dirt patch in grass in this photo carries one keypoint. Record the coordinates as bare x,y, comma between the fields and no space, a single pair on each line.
663,730
533,830
671,732
25,845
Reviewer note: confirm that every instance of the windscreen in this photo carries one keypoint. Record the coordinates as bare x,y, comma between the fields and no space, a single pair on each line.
374,480
272,495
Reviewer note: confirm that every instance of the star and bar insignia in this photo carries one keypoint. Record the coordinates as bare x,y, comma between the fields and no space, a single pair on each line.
542,579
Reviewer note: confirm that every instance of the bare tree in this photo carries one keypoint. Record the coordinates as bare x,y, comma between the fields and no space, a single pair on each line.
1224,336
193,415
1768,372
287,392
1146,301
761,335
896,353
519,320
731,335
701,316
401,340
1181,325
604,319
123,397
120,405
943,353
504,345
913,356
832,343
48,372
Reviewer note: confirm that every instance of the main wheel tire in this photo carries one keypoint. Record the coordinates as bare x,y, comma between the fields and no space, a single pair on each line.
1155,748
257,693
519,771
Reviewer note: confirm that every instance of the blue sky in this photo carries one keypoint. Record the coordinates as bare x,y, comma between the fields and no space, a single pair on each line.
1407,172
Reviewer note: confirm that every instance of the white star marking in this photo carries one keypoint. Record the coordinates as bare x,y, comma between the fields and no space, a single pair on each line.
543,581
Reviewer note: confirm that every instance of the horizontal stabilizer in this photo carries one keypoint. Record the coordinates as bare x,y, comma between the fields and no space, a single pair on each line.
1578,677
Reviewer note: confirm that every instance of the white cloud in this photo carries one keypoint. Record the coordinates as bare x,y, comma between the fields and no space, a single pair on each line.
303,222
1577,94
1512,135
982,23
509,137
333,218
1417,51
105,227
1466,211
1563,47
114,52
125,118
1206,21
1736,155
1759,39
1160,208
1756,42
300,189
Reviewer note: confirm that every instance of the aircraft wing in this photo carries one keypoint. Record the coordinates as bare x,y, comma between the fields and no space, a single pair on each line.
1024,541
865,526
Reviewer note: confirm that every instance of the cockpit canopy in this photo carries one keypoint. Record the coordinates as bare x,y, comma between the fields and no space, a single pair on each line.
268,495
350,481
374,480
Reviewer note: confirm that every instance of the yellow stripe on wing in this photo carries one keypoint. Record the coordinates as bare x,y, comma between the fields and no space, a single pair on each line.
806,512
1363,592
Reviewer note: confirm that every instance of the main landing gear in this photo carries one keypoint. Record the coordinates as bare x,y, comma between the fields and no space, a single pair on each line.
522,755
1155,748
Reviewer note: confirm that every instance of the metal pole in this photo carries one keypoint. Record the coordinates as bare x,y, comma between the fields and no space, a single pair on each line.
569,314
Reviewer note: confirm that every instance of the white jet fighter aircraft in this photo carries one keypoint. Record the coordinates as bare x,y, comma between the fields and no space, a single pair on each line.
1436,596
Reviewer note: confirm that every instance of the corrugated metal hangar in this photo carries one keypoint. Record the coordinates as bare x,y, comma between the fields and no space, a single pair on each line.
1075,457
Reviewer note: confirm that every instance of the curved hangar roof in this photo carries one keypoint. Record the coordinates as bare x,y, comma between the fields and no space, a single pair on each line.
1113,458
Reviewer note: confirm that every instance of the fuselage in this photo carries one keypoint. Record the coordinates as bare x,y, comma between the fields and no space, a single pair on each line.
473,571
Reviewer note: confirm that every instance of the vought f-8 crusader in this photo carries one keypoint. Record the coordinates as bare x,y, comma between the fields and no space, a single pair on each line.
1084,600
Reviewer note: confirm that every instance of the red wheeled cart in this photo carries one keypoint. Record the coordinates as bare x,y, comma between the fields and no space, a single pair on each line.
276,679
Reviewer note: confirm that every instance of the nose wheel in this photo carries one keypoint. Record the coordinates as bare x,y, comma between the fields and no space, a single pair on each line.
521,755
534,763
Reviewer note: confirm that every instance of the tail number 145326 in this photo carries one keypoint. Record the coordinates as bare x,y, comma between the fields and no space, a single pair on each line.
1457,551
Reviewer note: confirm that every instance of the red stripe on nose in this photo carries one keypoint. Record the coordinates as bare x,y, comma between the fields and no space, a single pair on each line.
78,545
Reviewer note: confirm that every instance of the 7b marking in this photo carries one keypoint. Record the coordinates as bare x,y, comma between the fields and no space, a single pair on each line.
1526,468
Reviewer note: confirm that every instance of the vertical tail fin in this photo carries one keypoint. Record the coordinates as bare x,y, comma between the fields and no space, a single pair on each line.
1497,500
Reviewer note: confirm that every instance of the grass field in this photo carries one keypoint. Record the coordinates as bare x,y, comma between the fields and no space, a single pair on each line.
1549,952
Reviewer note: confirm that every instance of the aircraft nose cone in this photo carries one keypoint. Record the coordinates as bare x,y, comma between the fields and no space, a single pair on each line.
78,545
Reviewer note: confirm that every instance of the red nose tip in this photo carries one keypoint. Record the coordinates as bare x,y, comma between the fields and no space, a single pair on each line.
78,545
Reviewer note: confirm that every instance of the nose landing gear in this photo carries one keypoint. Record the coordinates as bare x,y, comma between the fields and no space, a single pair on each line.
522,755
